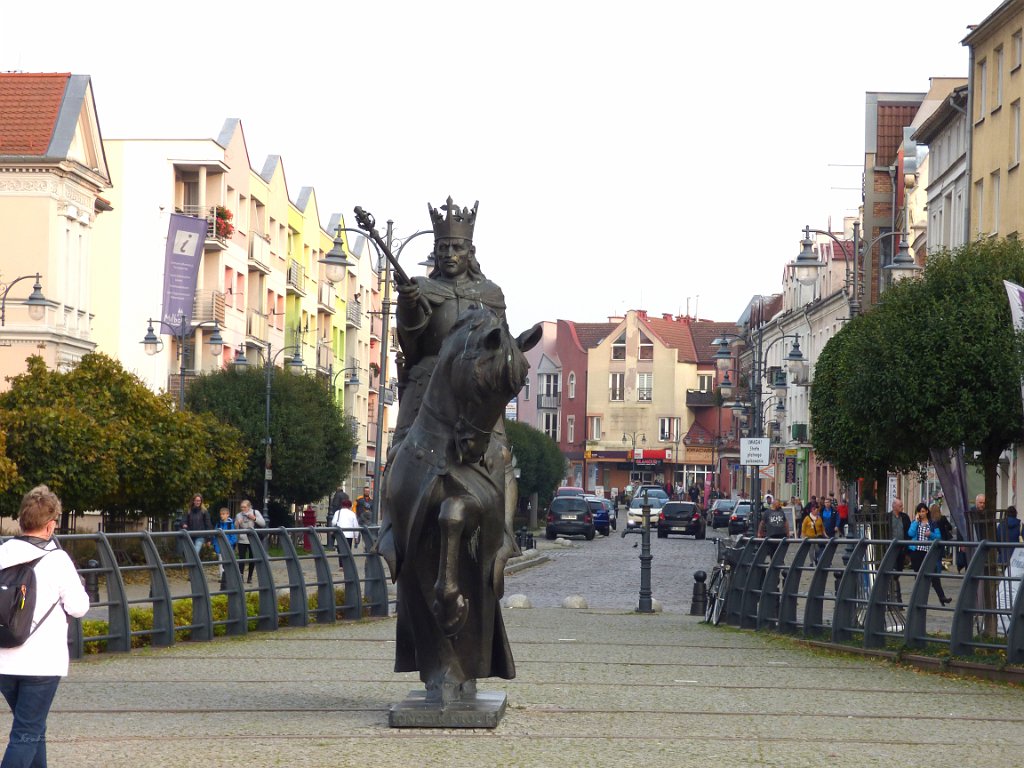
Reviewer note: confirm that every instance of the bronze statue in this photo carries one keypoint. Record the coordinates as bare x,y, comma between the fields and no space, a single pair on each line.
447,492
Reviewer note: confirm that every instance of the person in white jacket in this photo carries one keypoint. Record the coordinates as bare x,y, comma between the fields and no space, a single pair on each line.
247,519
30,673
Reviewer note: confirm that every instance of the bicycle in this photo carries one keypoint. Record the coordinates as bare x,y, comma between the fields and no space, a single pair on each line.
720,582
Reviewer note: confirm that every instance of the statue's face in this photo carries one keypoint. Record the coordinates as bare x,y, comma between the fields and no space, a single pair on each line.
452,255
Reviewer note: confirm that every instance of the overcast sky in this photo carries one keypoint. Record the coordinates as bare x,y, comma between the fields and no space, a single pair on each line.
643,155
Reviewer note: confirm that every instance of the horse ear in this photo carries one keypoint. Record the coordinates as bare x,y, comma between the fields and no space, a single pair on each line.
493,339
528,339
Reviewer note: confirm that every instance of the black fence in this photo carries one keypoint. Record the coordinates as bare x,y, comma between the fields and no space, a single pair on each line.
297,577
866,592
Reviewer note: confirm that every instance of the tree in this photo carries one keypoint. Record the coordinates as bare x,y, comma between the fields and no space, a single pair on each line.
936,365
311,441
103,441
542,466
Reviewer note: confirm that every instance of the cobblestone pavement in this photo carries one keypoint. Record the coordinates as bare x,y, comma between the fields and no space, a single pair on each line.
594,688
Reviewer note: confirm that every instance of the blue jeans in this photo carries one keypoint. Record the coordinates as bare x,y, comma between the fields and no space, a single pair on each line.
30,699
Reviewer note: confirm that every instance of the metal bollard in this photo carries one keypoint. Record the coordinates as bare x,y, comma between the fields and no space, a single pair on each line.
92,582
699,603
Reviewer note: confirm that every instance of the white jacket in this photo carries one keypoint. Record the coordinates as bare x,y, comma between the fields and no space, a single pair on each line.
45,653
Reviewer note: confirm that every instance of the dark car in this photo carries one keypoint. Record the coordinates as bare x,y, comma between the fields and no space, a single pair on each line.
605,519
721,511
738,518
570,516
683,518
570,490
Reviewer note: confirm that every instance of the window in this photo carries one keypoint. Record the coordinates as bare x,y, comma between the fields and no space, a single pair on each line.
570,428
705,382
1017,51
667,426
997,79
644,385
572,385
979,209
646,347
595,427
619,347
617,386
526,389
982,87
1015,133
549,425
994,202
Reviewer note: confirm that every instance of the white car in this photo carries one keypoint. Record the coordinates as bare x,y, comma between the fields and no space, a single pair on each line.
635,513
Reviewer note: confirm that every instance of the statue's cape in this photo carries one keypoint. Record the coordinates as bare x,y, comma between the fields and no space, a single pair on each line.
438,291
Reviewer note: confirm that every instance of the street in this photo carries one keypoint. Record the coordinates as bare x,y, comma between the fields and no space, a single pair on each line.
606,571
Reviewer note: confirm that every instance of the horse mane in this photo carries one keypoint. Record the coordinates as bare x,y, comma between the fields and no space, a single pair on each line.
509,376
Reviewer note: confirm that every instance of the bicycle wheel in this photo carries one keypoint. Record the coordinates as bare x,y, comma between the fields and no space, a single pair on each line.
713,586
720,598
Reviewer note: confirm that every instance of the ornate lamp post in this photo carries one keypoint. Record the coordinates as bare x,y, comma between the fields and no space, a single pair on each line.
152,344
336,263
758,374
645,604
35,302
295,365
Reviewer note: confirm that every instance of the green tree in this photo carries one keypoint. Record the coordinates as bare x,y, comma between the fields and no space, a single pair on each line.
103,441
936,365
310,439
542,466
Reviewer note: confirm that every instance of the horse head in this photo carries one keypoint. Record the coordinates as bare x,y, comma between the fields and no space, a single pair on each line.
482,367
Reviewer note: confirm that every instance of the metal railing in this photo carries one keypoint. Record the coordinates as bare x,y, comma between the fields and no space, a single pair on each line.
296,578
862,592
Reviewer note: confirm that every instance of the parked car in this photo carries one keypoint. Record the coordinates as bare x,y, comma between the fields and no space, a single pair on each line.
635,514
570,516
721,511
739,517
604,514
681,517
570,490
652,490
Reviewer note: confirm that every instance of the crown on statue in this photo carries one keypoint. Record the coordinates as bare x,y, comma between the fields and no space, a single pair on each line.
458,222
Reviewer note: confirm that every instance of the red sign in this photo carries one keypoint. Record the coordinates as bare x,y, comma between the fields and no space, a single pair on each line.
646,453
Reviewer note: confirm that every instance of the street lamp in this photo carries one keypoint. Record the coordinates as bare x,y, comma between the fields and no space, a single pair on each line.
295,365
36,302
758,373
152,344
632,438
645,604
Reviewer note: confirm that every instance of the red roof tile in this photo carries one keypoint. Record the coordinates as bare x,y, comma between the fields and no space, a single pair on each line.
29,105
592,334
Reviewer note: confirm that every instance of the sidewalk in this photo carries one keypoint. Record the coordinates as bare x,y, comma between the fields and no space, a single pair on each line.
593,689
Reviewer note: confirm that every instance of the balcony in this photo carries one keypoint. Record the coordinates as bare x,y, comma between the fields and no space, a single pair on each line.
213,240
550,402
324,357
696,398
326,295
643,394
297,282
256,325
354,315
376,327
259,253
371,433
207,306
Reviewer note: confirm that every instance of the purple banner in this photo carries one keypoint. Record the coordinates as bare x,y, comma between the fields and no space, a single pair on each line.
185,238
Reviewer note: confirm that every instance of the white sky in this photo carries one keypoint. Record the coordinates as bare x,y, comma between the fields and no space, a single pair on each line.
615,168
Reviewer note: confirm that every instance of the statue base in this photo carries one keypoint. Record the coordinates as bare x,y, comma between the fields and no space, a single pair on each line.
481,710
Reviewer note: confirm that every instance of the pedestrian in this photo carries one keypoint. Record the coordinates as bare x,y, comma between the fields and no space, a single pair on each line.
774,527
31,672
922,534
1008,530
899,525
946,533
247,519
197,519
364,507
830,519
345,519
844,514
225,524
813,528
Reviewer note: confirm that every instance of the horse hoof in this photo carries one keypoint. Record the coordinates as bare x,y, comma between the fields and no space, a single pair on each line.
452,613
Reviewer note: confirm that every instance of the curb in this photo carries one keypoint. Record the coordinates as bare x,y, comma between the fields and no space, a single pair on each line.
524,562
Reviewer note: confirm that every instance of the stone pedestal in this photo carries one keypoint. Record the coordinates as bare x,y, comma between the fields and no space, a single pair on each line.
482,710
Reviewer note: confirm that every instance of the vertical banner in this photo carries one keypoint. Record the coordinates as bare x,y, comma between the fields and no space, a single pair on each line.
1016,295
185,238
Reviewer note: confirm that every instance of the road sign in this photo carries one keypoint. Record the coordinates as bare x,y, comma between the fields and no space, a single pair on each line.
754,451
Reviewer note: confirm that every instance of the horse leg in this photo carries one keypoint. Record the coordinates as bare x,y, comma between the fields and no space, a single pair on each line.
450,606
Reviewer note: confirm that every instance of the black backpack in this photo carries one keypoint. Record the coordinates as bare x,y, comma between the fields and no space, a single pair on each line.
775,524
18,603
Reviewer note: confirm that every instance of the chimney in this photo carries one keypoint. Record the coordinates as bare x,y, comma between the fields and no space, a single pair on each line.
666,315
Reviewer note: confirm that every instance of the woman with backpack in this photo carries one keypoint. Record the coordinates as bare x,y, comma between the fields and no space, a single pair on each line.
31,672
